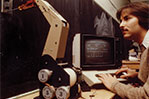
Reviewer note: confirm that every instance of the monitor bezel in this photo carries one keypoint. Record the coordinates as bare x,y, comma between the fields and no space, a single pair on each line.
97,66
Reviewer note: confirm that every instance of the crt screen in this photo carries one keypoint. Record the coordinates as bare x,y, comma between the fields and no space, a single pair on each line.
98,51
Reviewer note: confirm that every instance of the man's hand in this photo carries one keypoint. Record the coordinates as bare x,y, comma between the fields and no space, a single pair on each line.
107,79
131,73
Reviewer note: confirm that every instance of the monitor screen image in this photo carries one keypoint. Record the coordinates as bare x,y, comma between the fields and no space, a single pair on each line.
97,52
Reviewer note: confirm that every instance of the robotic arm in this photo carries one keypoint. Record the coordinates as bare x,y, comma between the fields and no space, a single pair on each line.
57,36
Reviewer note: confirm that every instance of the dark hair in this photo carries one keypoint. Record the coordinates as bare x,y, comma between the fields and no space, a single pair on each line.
138,9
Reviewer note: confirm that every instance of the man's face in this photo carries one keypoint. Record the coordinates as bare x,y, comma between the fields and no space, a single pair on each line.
129,25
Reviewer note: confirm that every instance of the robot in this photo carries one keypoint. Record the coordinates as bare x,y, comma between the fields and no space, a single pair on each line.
57,80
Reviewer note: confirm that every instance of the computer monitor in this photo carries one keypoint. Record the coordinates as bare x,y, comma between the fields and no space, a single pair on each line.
93,52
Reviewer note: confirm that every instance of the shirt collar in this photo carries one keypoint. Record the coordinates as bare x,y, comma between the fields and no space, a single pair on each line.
145,42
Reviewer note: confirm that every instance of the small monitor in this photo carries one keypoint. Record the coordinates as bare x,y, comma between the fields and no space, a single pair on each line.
94,52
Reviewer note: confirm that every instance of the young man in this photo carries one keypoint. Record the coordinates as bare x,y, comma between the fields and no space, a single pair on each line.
134,23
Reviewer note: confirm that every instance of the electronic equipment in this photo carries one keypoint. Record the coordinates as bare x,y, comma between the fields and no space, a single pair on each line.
91,79
55,81
6,6
58,81
92,52
56,38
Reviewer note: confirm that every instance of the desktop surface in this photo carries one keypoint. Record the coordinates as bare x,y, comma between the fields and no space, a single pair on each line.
94,94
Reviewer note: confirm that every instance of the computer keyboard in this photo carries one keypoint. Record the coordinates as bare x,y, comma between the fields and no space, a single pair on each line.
112,74
90,76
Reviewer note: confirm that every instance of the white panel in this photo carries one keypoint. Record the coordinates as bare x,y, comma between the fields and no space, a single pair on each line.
119,3
108,7
76,51
111,6
138,0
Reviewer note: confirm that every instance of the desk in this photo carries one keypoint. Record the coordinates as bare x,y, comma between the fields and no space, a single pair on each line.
27,95
131,64
98,94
